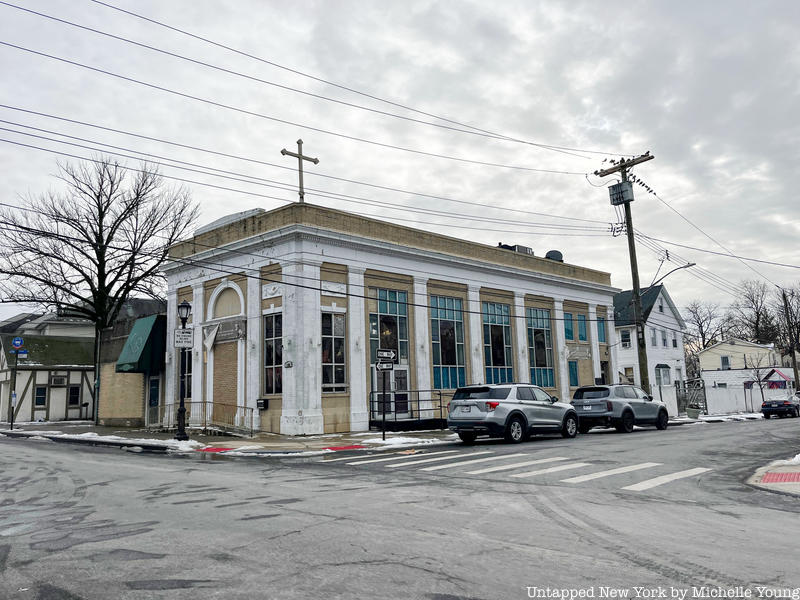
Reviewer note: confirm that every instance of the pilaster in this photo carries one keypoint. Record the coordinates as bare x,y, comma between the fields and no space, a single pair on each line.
561,350
357,349
520,323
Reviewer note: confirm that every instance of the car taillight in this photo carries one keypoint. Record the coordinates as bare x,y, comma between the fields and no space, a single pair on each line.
763,404
490,406
609,406
787,403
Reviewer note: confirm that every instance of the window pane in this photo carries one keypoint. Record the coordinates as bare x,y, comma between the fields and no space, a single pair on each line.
327,327
327,350
498,346
338,373
448,337
327,374
460,354
269,357
269,381
278,352
278,380
460,331
338,350
388,332
278,326
338,325
269,331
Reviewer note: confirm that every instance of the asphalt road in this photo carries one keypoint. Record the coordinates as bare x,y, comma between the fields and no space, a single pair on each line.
663,514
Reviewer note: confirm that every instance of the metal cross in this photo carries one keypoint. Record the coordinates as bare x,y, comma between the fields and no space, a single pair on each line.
300,158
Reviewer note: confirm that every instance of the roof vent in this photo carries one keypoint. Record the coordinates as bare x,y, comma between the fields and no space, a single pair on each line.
554,255
516,248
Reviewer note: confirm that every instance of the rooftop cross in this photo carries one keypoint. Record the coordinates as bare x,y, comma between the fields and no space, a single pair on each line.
300,158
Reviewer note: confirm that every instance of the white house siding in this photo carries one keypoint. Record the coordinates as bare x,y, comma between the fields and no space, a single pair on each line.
299,250
658,354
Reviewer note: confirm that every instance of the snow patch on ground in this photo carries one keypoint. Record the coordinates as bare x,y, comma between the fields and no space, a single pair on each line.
94,437
791,461
407,441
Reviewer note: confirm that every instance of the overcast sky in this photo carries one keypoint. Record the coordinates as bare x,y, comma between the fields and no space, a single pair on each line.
712,89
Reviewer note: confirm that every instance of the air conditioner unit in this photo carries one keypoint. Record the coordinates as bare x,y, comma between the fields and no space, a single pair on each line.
58,380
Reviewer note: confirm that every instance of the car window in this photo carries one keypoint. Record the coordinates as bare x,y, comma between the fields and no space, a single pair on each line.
588,393
627,392
541,395
640,393
524,393
482,393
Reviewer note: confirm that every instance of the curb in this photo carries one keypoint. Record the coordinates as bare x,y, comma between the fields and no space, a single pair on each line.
90,442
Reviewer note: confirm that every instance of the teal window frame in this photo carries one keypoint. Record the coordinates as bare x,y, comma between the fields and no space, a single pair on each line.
497,323
601,330
572,365
582,337
447,312
540,347
569,327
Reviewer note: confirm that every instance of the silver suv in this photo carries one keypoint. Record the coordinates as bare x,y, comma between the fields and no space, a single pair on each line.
621,406
509,410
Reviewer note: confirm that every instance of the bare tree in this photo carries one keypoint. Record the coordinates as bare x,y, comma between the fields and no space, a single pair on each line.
86,249
758,369
706,325
753,315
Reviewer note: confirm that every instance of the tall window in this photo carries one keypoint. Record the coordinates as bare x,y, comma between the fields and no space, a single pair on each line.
653,341
185,375
569,328
573,373
447,339
582,328
725,362
664,338
497,342
674,339
333,352
74,398
662,376
601,330
625,338
540,347
388,323
40,396
273,353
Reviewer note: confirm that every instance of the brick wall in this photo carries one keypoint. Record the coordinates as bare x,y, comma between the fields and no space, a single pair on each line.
225,373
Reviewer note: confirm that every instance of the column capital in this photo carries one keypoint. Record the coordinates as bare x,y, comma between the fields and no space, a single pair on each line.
472,289
356,270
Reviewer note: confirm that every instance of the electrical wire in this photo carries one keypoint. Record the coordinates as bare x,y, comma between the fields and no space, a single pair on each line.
285,167
285,121
343,87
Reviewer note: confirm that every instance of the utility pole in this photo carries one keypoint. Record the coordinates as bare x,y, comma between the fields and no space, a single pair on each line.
792,336
622,193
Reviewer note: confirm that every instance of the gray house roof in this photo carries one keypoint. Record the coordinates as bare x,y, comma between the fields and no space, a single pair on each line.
623,305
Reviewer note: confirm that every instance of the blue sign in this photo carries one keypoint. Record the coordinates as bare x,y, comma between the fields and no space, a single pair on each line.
22,353
17,342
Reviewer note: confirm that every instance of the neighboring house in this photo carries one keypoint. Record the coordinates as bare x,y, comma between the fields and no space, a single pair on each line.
734,361
53,383
290,307
131,367
664,326
56,324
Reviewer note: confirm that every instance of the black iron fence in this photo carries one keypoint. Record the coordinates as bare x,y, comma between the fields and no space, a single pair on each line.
408,406
203,415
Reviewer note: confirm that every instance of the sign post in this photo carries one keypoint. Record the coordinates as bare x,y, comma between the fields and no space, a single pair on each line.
384,368
17,343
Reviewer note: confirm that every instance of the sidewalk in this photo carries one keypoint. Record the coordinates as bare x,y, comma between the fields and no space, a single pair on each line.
780,476
262,444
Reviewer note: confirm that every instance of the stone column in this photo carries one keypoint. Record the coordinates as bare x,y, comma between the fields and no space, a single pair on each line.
594,343
561,350
172,358
422,346
198,318
253,347
302,359
358,349
475,334
520,323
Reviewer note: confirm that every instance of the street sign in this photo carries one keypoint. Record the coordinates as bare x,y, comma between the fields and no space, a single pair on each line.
17,342
384,366
183,338
22,353
388,354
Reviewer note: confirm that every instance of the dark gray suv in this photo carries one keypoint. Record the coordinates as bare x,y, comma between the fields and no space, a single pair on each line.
620,406
509,410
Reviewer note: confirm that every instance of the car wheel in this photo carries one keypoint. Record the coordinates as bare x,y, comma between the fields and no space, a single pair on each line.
781,415
625,424
662,420
766,416
584,427
796,412
570,427
467,437
515,430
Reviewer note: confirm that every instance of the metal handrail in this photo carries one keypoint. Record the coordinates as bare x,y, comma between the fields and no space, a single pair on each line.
419,407
203,415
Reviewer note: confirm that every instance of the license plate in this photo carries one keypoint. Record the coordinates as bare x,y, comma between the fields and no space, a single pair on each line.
587,408
774,404
466,409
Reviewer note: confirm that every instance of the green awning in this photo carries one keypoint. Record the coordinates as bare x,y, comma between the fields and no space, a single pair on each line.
144,349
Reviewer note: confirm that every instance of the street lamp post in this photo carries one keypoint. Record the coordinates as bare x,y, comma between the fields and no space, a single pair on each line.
184,310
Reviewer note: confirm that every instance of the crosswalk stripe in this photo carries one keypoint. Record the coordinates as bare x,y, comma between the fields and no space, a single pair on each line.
404,457
526,463
428,460
651,483
469,462
552,469
327,460
608,473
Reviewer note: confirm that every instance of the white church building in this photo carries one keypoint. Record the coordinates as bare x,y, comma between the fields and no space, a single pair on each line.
290,309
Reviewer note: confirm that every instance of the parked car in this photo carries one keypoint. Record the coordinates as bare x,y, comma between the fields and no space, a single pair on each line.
620,406
781,406
512,411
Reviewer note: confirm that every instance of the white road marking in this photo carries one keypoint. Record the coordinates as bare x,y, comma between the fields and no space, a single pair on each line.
651,483
469,462
527,463
552,469
353,457
404,457
599,474
427,460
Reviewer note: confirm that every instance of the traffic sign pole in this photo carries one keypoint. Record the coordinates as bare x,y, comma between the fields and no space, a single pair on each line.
383,405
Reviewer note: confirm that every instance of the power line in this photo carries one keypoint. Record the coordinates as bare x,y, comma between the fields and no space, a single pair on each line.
343,87
249,179
284,121
473,132
284,167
